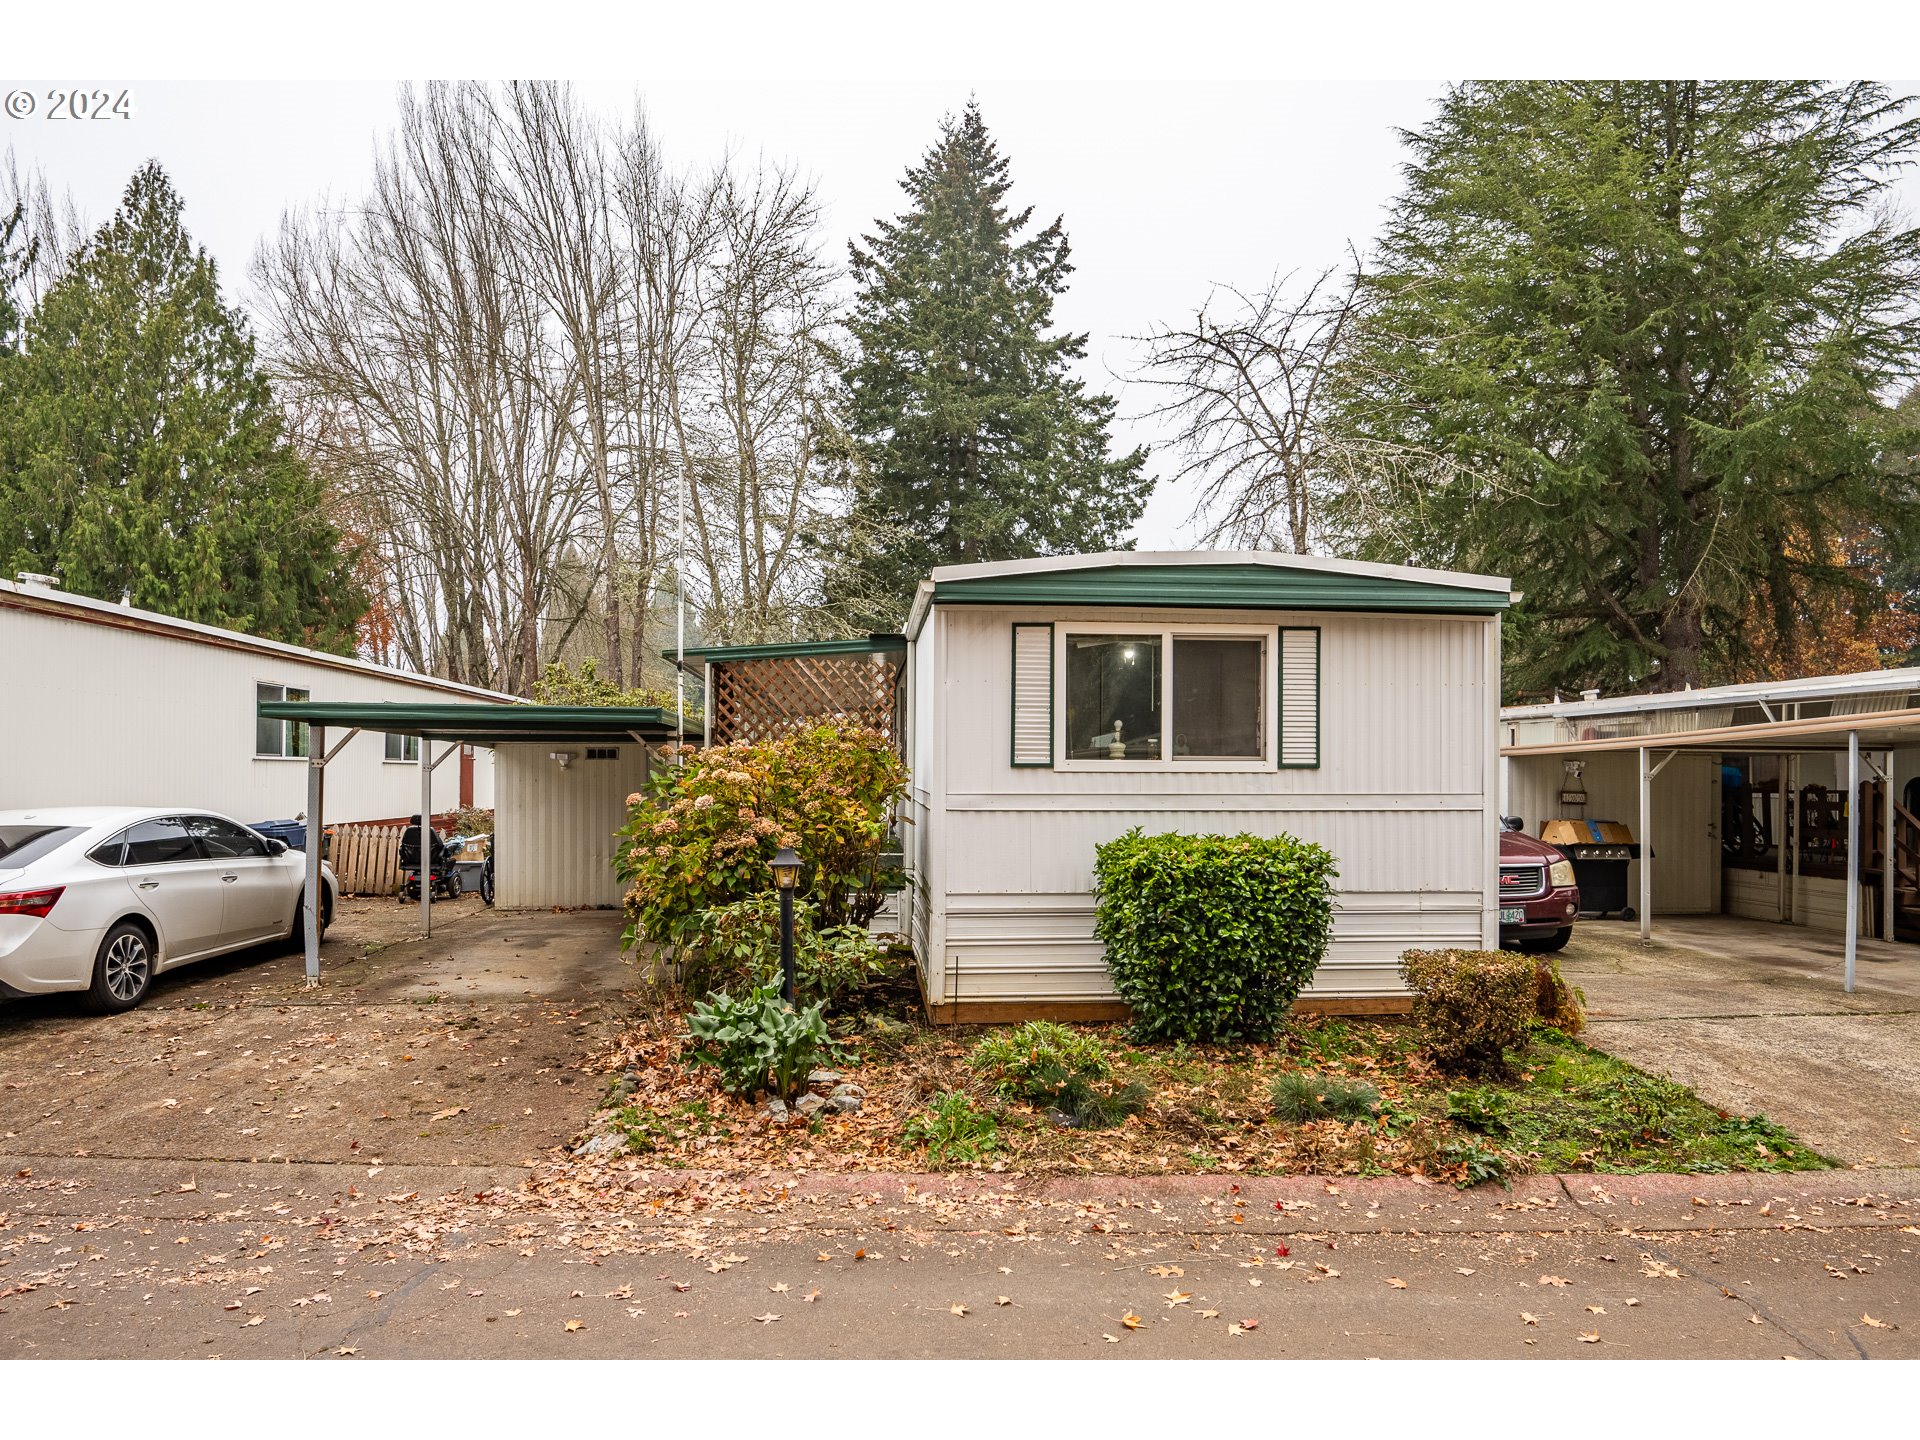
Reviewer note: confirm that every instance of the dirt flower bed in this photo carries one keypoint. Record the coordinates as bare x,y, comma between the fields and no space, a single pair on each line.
1196,1110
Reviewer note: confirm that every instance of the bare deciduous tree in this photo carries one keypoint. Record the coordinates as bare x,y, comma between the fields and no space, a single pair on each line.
1249,393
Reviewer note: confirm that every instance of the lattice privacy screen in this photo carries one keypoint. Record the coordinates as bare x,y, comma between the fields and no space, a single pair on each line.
759,699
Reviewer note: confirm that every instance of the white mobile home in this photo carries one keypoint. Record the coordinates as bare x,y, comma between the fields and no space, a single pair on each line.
108,705
1054,704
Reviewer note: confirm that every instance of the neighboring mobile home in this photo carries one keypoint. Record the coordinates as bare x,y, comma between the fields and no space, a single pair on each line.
108,705
1054,704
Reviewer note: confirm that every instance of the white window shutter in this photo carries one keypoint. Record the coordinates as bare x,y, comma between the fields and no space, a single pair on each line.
1299,699
1033,695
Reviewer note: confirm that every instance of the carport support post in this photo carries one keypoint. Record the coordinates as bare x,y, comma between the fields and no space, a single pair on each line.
316,769
426,837
1886,849
1646,844
1853,851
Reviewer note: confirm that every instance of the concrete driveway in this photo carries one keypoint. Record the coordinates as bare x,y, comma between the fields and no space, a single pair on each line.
1753,1017
459,1050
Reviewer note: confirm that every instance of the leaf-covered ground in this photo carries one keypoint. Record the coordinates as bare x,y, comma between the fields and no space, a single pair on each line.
1204,1110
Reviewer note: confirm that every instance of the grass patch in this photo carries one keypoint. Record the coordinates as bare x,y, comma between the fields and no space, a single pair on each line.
1579,1109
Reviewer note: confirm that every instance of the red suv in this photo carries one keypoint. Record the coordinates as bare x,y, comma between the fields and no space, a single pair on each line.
1538,898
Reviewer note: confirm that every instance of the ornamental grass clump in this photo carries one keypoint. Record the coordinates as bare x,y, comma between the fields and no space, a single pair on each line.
1209,938
1299,1095
1474,1005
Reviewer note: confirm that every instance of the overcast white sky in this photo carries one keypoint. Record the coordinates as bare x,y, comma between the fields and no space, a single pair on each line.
1206,147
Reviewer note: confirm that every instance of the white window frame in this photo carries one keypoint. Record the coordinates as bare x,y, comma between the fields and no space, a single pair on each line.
402,758
1267,635
258,753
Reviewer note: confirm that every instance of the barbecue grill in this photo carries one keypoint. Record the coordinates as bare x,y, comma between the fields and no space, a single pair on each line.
1599,851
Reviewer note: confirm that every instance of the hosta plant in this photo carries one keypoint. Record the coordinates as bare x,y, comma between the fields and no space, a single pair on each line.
758,1042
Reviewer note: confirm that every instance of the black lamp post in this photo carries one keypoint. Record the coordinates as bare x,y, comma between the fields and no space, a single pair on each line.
786,875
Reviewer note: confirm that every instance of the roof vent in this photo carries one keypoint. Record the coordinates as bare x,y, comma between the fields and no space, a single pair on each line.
33,580
1590,695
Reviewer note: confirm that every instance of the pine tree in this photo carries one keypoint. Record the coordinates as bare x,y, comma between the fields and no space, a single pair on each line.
978,442
142,453
1633,338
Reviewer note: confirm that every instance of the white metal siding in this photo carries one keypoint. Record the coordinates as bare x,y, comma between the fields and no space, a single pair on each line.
554,827
1402,797
95,715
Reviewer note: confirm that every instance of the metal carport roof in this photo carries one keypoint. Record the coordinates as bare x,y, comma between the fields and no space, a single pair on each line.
486,724
457,725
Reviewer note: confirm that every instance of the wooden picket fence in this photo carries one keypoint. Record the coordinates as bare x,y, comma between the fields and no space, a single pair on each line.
366,858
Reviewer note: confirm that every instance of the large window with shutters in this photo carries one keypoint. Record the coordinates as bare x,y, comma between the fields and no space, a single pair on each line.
1089,696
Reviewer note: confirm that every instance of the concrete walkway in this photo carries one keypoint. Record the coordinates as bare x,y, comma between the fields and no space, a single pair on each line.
1753,1017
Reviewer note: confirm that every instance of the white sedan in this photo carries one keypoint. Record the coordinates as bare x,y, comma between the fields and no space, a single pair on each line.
103,899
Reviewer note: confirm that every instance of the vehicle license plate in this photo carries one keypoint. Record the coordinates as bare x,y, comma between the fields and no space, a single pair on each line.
1513,914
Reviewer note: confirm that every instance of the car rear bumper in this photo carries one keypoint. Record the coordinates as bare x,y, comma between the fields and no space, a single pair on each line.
39,958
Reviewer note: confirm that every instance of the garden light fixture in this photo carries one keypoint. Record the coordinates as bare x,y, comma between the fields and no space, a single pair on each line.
786,875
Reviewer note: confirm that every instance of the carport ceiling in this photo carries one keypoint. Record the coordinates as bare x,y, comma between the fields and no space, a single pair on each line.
489,724
1877,730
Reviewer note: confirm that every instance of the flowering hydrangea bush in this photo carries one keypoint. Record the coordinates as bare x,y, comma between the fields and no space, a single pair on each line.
705,832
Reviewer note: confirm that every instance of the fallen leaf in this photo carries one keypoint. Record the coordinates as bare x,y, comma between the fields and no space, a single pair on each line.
1002,1300
683,1286
1531,1319
1877,1324
1554,1280
448,1113
1253,1282
779,1289
1131,1321
1589,1337
1632,1302
811,1295
767,1319
1249,1324
1755,1320
1111,1339
1462,1270
823,1257
1177,1297
956,1309
1163,1271
348,1350
254,1321
1208,1314
186,1185
573,1325
1596,1309
1235,1330
1396,1282
514,1311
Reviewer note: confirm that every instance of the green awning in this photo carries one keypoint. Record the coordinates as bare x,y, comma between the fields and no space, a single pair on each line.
489,724
698,655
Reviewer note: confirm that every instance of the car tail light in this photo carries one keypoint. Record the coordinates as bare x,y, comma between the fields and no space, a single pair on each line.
31,902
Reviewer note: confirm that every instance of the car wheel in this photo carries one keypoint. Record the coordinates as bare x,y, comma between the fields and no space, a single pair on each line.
1556,941
486,886
297,936
122,969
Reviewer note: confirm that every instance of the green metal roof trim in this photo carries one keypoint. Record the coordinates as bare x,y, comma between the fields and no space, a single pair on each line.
1219,587
485,724
720,654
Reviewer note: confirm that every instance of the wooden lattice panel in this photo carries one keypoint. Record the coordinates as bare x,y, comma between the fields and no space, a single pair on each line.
760,699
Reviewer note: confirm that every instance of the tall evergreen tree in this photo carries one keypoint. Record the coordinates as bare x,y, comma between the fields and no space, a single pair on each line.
1633,340
142,453
977,440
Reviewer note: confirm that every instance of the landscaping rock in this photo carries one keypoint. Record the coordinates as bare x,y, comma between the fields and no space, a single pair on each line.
808,1105
823,1077
848,1090
603,1144
777,1111
843,1104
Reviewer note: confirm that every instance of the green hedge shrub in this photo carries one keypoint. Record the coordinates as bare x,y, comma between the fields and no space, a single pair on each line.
1474,1005
736,947
1210,937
